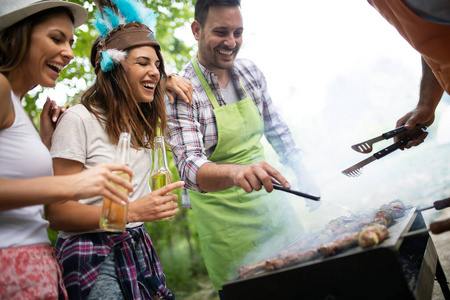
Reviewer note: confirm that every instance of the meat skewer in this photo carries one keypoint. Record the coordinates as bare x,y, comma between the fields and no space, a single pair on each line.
247,271
372,235
277,262
294,258
347,232
347,241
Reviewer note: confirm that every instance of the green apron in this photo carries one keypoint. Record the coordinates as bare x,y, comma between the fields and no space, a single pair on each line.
232,223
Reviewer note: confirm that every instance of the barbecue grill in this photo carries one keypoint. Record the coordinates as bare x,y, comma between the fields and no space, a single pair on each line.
398,268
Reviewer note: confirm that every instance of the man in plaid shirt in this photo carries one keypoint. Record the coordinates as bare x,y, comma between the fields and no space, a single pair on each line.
216,143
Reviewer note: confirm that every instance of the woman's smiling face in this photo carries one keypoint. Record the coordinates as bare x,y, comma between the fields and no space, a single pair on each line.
143,75
50,50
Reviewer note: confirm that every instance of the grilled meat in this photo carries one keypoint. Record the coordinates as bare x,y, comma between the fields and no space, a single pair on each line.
247,271
372,235
344,242
365,230
276,263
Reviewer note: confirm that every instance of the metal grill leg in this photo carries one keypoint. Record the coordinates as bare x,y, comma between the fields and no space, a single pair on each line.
442,280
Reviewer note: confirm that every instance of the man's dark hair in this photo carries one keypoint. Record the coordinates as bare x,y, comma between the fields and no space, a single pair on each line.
202,8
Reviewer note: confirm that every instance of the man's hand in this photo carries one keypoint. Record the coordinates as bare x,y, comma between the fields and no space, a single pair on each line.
178,85
255,176
420,115
212,177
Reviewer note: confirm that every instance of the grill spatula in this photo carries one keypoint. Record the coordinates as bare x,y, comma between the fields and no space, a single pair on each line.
366,146
356,170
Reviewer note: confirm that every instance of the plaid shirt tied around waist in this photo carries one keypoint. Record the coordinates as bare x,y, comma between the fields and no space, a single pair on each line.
81,257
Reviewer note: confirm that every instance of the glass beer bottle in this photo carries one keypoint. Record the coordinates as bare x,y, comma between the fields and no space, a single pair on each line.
161,174
114,215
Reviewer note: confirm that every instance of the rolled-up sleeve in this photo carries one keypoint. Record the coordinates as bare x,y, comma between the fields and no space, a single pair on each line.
186,140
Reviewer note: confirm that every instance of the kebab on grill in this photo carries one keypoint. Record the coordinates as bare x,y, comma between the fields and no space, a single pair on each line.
284,259
338,235
372,235
345,225
375,233
346,241
396,206
277,262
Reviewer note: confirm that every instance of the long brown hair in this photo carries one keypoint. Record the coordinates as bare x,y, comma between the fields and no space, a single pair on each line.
111,100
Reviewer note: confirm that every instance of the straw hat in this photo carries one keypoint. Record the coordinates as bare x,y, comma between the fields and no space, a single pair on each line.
13,11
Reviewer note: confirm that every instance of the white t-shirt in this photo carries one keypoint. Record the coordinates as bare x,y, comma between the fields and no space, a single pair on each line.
81,137
230,94
23,155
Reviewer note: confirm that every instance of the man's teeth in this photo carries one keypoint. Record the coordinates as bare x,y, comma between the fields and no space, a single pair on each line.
56,66
225,52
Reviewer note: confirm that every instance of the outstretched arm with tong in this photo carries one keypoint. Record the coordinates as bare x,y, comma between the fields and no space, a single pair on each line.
199,173
430,95
213,177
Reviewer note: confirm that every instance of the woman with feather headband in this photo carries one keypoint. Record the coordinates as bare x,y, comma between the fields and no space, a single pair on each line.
126,96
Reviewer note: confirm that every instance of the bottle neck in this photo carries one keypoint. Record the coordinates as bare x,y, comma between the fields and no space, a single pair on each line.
160,158
122,155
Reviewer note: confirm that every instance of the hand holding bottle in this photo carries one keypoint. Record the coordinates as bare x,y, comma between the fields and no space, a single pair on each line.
101,180
158,205
114,216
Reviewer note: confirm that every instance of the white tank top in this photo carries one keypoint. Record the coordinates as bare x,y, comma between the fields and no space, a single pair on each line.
23,155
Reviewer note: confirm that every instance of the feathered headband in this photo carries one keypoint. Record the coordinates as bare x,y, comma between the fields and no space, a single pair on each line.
121,27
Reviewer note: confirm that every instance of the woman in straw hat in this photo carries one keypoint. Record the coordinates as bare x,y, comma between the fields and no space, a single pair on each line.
126,96
35,45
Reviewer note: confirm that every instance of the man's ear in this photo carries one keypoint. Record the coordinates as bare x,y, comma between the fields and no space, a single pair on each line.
196,29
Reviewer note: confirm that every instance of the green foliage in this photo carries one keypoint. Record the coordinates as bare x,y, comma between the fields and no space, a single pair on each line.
173,14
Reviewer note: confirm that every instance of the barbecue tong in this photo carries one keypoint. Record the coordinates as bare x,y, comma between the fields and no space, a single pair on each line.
279,187
366,146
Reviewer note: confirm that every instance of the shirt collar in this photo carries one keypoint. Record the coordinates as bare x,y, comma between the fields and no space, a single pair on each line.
212,80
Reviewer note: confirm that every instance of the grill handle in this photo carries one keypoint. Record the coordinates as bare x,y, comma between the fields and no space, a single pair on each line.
438,205
440,226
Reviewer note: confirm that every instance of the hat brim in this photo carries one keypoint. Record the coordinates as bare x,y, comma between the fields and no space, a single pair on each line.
79,12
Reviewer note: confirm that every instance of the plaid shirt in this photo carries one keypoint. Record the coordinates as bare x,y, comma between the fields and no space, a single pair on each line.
192,132
81,257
